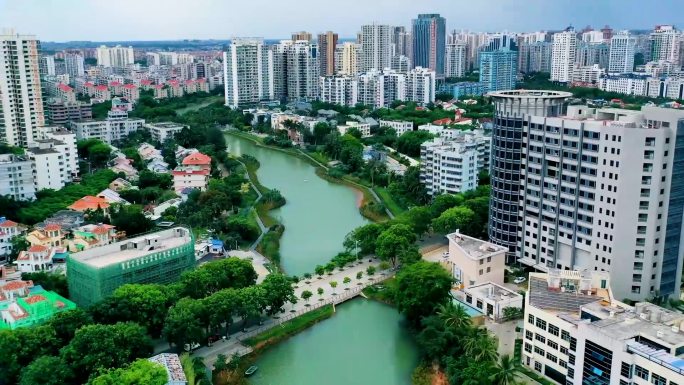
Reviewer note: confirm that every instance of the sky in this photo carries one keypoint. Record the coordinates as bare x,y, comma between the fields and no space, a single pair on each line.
111,20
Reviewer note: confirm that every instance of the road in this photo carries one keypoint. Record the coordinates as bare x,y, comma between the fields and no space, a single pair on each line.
341,293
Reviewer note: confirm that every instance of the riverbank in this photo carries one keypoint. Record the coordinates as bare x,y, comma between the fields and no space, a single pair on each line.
370,207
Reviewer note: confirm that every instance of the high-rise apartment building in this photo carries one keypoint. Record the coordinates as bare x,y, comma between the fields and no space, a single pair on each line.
429,42
248,72
498,69
339,89
376,47
350,55
301,35
665,44
74,65
21,103
601,190
535,57
381,88
563,55
401,42
16,177
401,63
47,66
507,141
455,61
621,58
588,54
302,70
420,85
117,56
327,42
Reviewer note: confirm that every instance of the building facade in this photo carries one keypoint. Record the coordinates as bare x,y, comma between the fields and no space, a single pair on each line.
376,47
248,72
429,42
455,64
21,103
117,56
16,177
327,42
563,54
621,58
498,69
339,89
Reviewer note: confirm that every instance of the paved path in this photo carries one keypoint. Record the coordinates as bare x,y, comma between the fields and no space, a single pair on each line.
341,293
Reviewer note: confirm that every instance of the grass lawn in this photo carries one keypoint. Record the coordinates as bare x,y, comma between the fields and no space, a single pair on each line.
289,328
388,201
383,292
201,103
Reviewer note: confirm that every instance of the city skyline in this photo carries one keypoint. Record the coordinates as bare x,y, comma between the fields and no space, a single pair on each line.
216,20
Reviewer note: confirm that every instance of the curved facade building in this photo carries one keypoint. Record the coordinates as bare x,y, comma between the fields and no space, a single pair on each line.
507,137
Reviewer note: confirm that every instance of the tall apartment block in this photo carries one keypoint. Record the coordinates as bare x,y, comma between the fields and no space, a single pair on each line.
158,257
601,189
455,62
16,177
621,58
376,47
117,56
452,165
401,42
327,42
665,44
507,141
429,42
301,35
535,57
498,69
563,55
21,103
248,72
420,85
577,332
349,58
74,64
588,54
339,89
302,66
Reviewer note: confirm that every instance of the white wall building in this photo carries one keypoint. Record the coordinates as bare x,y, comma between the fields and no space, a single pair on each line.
629,84
455,60
16,177
563,55
55,159
576,332
117,56
600,191
75,65
399,127
621,57
116,127
491,299
339,89
420,86
302,67
665,44
349,59
474,261
376,47
163,131
364,128
248,72
21,103
588,74
452,165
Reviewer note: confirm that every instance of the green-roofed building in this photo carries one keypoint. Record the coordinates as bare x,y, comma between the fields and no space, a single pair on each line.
36,307
159,257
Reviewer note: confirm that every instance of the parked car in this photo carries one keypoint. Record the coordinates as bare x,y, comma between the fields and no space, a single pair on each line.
191,347
519,280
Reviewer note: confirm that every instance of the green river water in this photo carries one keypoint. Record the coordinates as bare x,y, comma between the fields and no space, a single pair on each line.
365,341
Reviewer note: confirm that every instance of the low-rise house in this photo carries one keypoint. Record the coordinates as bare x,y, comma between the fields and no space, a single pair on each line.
112,197
473,261
364,128
149,152
23,305
399,127
65,219
91,203
8,231
163,131
491,299
36,258
174,369
125,166
131,92
193,172
89,236
51,235
120,184
158,166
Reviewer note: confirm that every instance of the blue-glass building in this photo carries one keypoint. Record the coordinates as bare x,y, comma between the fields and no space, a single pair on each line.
429,42
498,69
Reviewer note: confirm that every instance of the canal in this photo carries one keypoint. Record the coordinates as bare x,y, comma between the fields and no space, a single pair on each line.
318,213
363,343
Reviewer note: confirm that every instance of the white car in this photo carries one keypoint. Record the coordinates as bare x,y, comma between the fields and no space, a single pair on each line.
519,280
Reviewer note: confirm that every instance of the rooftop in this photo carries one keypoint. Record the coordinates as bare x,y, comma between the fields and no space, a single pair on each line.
133,248
474,248
172,364
165,125
492,291
531,94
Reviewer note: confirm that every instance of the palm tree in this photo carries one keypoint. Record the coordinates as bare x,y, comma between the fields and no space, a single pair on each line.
454,316
506,371
480,346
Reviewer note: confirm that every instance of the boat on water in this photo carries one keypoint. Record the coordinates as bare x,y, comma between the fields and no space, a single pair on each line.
251,370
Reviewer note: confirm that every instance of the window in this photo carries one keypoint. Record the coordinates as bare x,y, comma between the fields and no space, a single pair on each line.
552,344
537,367
641,372
626,370
551,357
528,347
658,380
540,338
553,329
530,319
538,350
541,324
528,334
565,336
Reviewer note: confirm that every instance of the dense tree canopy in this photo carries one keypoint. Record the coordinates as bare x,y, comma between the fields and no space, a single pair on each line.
414,297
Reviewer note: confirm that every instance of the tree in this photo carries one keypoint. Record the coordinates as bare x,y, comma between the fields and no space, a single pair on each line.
307,277
414,297
370,270
184,322
320,131
409,142
346,282
456,218
18,244
278,291
49,281
453,316
306,295
512,313
130,218
320,293
99,347
364,238
319,270
46,370
224,306
443,202
480,346
211,277
329,268
394,242
506,371
419,218
21,346
141,371
333,284
66,323
359,275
